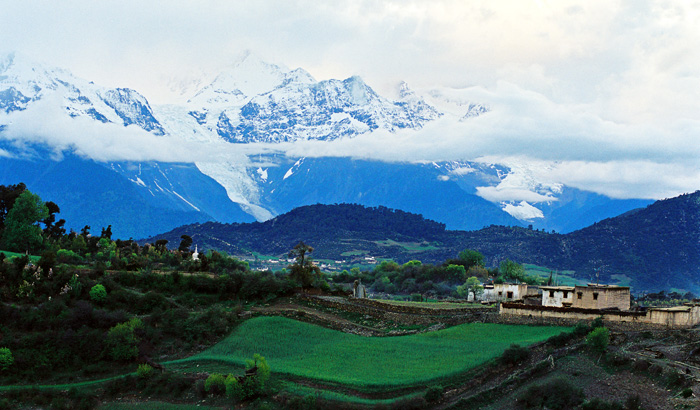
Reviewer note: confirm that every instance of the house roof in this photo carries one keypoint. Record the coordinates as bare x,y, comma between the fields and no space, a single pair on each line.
569,288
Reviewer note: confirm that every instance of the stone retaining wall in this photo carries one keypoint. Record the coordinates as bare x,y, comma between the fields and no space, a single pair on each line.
682,317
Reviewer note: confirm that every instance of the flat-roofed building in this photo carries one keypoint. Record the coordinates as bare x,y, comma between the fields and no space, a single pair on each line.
560,296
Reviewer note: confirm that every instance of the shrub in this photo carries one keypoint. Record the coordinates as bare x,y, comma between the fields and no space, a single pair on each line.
598,404
687,392
98,293
597,322
433,394
635,402
234,389
514,355
557,394
144,371
215,384
581,329
560,340
6,358
68,256
121,340
598,339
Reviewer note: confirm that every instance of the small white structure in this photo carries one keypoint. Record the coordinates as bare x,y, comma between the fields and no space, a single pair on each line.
359,290
504,292
561,296
195,254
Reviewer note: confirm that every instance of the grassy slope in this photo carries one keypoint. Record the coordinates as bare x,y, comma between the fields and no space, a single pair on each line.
310,351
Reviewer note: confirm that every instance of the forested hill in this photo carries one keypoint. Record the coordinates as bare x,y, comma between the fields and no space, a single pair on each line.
325,227
657,247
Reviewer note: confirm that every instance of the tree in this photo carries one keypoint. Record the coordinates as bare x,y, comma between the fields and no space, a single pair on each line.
512,270
161,245
106,232
303,271
6,358
471,258
52,228
185,244
122,342
98,293
8,196
21,230
598,339
472,285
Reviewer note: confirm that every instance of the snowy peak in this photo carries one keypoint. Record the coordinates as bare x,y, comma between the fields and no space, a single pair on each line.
24,82
248,77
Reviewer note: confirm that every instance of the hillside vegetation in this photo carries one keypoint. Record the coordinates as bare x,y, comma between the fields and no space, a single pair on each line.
658,247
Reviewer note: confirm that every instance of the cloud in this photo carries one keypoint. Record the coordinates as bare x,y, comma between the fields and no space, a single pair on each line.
45,123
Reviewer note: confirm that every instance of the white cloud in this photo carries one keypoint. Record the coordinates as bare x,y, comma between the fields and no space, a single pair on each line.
45,123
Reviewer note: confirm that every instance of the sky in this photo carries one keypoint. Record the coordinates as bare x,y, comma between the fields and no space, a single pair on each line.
600,95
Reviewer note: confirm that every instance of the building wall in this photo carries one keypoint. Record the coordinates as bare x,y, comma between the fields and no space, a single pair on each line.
558,297
595,297
688,316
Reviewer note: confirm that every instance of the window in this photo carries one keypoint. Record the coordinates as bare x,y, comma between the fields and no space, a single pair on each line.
595,296
551,293
579,295
566,294
500,293
510,295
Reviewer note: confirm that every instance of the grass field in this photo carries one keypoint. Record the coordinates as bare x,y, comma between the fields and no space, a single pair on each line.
301,349
12,255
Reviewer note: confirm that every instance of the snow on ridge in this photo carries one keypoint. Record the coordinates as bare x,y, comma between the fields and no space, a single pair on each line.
240,187
262,173
186,201
523,211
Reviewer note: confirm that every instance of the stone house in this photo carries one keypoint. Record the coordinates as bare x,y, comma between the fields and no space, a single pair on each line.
593,296
596,296
561,296
504,291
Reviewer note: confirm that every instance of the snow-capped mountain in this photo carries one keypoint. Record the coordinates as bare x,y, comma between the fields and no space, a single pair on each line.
253,102
24,83
260,102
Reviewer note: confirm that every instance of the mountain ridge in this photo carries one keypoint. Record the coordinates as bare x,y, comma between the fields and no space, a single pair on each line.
656,248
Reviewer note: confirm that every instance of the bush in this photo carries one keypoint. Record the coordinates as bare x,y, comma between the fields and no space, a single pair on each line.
598,404
121,340
514,355
597,322
598,339
98,293
557,394
215,384
144,371
581,329
635,402
6,358
687,392
560,340
433,394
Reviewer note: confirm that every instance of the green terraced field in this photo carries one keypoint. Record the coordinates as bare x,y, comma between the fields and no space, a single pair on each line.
301,349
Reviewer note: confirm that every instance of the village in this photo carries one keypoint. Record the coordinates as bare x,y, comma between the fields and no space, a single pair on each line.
611,302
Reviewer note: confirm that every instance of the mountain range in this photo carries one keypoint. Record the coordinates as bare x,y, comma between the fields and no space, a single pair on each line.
651,249
81,145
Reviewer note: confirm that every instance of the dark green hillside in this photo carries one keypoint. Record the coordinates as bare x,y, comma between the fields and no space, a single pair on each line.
657,247
332,229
